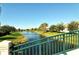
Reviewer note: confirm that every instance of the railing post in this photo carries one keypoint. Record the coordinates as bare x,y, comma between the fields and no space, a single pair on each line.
48,47
39,48
78,38
64,44
11,49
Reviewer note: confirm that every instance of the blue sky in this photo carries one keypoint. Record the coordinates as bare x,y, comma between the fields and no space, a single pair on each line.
32,15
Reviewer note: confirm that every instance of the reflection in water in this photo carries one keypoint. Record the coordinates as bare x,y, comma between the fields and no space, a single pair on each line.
31,36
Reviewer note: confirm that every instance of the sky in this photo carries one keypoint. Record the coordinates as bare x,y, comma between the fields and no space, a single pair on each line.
31,15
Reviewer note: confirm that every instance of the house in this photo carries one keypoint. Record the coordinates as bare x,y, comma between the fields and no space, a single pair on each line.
65,30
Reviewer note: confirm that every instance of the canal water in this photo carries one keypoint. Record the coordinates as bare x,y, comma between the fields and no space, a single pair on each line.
42,49
31,36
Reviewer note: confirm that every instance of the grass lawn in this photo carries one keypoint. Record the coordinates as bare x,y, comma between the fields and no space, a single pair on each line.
15,37
46,34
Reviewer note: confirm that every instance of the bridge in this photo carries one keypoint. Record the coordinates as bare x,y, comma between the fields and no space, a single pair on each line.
53,45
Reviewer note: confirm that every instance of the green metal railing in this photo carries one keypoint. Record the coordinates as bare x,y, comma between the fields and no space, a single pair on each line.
48,46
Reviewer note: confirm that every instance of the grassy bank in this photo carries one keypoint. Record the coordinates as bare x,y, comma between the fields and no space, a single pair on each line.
46,34
14,37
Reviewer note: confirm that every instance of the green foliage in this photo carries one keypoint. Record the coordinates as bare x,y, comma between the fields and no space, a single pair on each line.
7,37
73,26
6,29
53,28
21,30
43,27
27,29
14,37
16,34
60,27
57,28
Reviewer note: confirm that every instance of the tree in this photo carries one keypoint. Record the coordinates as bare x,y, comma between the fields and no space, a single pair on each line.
27,29
35,29
6,29
43,27
53,28
32,29
57,28
60,27
73,26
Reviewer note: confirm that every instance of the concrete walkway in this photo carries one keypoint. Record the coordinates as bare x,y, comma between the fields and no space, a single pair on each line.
73,52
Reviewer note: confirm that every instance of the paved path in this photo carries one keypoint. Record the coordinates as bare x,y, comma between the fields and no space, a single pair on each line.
73,52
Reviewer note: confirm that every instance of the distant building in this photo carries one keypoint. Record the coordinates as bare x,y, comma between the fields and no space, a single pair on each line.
65,30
